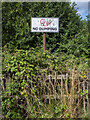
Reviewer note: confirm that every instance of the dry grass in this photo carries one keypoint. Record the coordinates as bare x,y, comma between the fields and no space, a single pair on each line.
60,89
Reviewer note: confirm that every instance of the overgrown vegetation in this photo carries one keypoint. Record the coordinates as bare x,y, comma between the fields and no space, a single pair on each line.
27,67
17,34
25,64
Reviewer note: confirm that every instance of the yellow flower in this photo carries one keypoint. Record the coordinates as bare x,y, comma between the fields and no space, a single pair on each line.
21,93
24,93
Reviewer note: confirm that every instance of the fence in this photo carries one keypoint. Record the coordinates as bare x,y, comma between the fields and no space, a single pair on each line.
69,89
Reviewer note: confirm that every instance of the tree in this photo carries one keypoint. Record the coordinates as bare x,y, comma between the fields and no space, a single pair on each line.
17,24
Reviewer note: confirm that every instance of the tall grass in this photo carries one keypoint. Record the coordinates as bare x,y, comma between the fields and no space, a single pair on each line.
65,97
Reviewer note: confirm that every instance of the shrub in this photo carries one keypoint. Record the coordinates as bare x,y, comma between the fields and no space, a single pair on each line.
25,69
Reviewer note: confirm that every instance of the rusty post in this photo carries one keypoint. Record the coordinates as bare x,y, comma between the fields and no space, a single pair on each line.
44,42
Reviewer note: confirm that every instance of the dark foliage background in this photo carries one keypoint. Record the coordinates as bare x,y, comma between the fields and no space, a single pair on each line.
73,32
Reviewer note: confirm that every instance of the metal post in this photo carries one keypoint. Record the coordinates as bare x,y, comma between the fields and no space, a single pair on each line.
44,41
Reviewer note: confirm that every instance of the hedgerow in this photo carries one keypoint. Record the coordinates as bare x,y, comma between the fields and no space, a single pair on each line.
26,68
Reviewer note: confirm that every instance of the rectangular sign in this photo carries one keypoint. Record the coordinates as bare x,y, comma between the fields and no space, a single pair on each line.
44,24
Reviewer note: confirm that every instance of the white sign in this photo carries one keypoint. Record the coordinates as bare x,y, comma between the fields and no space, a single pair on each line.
44,24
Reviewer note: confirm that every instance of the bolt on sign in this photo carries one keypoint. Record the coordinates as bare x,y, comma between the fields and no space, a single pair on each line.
44,24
